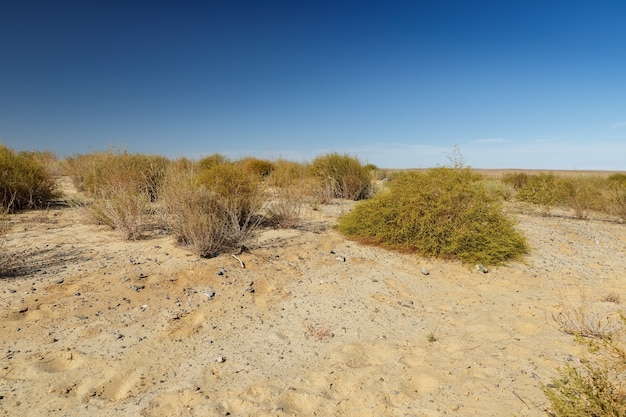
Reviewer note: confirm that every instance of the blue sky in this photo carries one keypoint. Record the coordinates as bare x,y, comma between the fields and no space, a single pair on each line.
515,84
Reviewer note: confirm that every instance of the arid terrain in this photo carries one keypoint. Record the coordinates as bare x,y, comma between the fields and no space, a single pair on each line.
308,323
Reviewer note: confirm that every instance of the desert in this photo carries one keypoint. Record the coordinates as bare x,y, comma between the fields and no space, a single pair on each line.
301,322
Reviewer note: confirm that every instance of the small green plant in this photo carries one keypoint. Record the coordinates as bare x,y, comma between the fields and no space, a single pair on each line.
597,386
342,176
24,182
444,212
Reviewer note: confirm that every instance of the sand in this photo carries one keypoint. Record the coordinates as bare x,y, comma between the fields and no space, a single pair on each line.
314,325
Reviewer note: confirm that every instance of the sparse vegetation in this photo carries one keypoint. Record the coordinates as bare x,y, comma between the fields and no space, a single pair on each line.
597,386
318,332
285,208
342,176
444,212
24,182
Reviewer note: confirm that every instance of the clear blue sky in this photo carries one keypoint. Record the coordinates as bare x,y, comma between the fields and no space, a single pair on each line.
516,84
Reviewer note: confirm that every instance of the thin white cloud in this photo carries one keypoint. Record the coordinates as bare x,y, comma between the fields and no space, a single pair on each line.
490,141
618,125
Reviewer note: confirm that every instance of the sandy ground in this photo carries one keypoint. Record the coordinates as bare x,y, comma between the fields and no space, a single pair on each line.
313,325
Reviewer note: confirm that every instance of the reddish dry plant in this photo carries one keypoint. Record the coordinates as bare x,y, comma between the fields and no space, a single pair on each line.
318,332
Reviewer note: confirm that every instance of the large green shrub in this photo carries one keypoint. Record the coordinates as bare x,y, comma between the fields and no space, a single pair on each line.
443,212
24,182
343,175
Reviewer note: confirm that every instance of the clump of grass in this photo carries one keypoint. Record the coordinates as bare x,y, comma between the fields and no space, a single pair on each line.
24,182
343,176
211,209
444,212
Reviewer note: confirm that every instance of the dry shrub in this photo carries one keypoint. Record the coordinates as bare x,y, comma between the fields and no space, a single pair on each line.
212,160
24,182
616,199
6,258
318,332
583,194
212,209
48,160
287,173
517,180
444,212
342,176
260,167
285,208
123,186
580,321
122,207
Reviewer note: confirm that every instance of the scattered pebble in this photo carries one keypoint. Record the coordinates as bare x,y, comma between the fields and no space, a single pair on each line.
481,268
425,271
221,359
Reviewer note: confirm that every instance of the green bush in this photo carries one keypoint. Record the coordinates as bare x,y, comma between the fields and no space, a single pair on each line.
24,182
542,189
343,176
443,212
596,387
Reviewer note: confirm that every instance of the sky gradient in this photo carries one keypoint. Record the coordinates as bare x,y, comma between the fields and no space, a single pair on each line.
515,84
